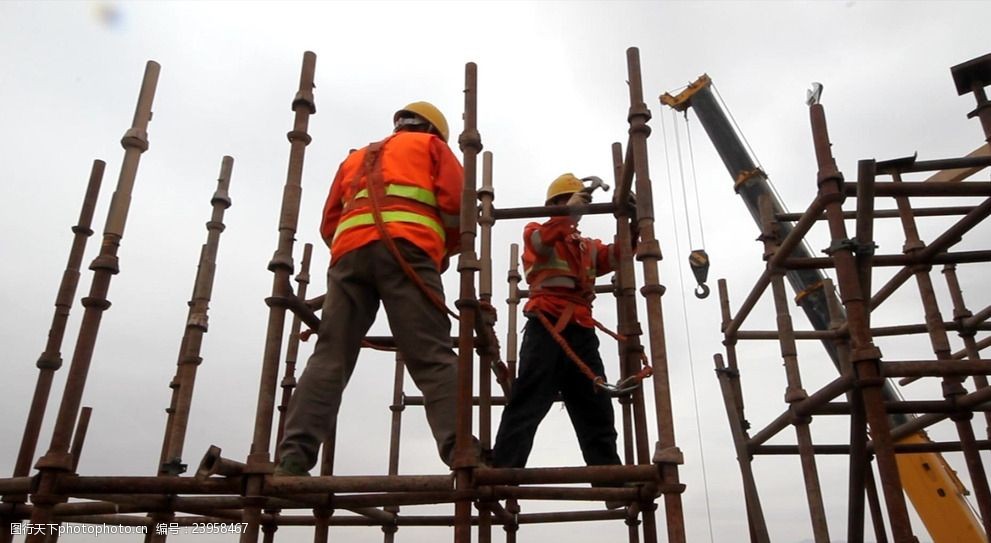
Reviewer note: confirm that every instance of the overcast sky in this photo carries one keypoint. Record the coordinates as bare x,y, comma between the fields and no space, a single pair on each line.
552,98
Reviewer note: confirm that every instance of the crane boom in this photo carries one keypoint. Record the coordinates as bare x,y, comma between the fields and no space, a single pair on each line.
932,486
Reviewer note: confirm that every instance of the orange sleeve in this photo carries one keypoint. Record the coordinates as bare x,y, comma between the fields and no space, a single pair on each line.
553,230
607,255
448,177
333,207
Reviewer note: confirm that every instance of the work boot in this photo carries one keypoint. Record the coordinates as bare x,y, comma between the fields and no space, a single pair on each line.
291,467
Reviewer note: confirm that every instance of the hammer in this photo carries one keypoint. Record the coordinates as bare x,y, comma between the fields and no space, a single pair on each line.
594,182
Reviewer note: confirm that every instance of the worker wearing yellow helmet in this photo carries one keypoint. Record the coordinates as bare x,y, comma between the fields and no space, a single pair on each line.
560,266
420,113
391,222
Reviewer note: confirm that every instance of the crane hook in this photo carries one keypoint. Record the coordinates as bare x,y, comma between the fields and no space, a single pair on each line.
699,261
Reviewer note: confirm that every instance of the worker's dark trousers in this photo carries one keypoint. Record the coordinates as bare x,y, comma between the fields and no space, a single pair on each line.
544,371
355,284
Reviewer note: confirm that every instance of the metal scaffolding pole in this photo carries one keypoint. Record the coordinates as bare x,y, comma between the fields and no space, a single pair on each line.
58,461
281,266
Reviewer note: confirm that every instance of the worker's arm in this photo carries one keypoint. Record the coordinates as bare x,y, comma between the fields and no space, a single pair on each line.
606,256
334,205
448,185
542,236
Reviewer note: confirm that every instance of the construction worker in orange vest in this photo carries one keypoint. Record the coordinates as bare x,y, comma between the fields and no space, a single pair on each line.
560,267
391,222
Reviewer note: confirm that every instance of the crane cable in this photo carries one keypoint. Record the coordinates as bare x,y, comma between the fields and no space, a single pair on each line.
688,329
698,259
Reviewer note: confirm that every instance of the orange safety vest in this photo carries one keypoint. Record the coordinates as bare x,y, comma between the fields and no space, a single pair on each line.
423,184
557,249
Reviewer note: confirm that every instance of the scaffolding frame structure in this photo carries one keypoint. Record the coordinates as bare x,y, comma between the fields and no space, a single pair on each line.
881,429
246,494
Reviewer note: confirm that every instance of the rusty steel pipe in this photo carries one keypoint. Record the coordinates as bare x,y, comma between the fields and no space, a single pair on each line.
288,383
787,245
357,483
900,448
794,392
915,406
79,436
945,189
649,253
51,358
744,457
468,265
281,266
606,208
214,464
486,195
968,322
629,348
886,213
567,475
628,325
864,355
964,403
513,301
957,257
196,327
935,368
58,460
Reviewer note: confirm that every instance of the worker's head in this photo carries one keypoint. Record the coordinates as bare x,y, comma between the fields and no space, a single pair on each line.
421,117
562,188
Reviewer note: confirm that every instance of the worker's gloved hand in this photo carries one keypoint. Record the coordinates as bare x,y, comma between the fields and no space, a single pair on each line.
579,198
632,202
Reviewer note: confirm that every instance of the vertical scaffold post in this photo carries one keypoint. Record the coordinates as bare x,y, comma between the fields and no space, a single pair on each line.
667,454
728,374
630,349
486,195
170,462
58,459
281,266
964,317
51,358
465,457
864,355
288,383
625,293
196,326
513,301
794,392
397,407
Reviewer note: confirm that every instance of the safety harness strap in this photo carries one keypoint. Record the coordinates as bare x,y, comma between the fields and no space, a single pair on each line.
599,382
372,171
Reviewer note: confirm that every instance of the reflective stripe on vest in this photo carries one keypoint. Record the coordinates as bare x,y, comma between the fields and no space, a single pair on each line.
553,263
365,219
404,191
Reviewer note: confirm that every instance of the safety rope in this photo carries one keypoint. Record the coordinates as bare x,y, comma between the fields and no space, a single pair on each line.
625,386
484,326
376,186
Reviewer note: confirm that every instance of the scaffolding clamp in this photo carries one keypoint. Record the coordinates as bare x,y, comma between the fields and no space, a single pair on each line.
851,245
174,467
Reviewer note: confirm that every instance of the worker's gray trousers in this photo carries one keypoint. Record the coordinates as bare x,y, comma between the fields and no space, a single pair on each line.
355,284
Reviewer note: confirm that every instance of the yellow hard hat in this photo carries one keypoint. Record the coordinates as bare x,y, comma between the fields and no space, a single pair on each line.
429,112
565,183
